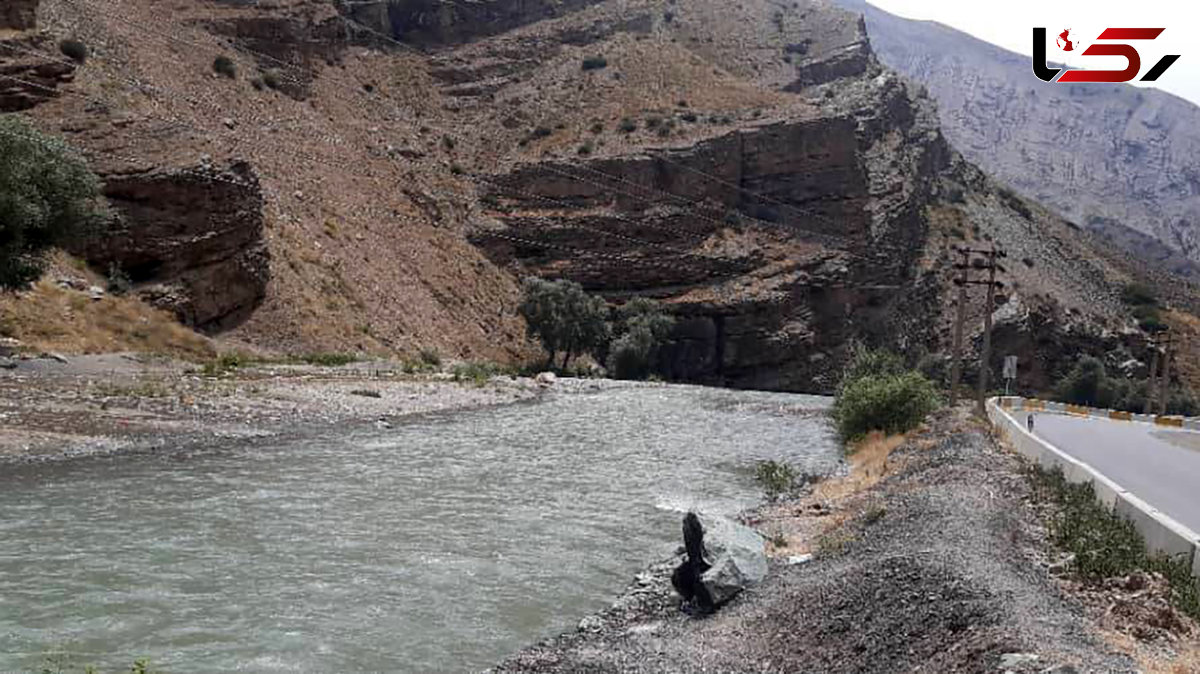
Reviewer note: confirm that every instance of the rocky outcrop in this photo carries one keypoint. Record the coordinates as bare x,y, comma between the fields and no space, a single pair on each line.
18,15
485,69
27,79
295,47
189,241
447,22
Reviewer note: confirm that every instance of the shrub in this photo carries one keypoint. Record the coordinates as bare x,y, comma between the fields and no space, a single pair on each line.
74,50
595,63
878,394
1138,294
776,478
689,117
627,125
431,357
477,373
563,318
119,282
586,149
871,363
223,65
272,78
224,363
1148,318
47,197
448,143
597,128
541,132
328,359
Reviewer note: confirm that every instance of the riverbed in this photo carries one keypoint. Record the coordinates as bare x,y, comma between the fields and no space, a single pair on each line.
443,543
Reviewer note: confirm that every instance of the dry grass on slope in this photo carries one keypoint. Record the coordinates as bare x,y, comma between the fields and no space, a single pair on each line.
62,320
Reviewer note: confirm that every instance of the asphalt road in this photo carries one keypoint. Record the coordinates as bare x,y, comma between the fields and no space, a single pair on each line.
1160,466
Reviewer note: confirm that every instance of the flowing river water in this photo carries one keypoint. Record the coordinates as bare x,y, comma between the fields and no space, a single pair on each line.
443,544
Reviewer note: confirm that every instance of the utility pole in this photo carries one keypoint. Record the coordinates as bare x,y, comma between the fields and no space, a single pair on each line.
961,281
1153,371
985,357
987,261
1166,375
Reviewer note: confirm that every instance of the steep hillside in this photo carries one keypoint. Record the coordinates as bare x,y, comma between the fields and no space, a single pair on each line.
379,177
1122,161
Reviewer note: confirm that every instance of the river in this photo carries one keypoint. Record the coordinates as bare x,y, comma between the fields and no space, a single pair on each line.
442,544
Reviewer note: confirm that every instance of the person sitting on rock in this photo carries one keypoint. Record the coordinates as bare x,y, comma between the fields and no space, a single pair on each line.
687,576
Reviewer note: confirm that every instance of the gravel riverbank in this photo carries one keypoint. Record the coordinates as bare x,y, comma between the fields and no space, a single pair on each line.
931,556
112,403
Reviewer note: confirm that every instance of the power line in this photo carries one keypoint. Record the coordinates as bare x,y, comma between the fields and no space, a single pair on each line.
660,156
290,66
472,179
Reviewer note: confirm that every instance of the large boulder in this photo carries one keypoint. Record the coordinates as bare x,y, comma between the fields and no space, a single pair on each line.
723,558
736,557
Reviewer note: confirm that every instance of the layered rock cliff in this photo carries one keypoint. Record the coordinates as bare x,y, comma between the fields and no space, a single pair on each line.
752,166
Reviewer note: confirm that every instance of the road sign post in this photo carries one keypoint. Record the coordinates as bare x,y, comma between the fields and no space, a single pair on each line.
1010,371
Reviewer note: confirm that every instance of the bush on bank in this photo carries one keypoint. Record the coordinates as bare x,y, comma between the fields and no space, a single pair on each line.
1104,544
878,393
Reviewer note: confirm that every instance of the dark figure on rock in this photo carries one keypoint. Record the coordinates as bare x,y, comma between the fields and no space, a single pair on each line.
686,577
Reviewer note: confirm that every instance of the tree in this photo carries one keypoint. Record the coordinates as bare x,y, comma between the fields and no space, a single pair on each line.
641,328
563,318
1087,384
47,197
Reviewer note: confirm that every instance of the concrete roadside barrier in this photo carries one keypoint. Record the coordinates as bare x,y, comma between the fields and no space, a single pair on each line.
1163,535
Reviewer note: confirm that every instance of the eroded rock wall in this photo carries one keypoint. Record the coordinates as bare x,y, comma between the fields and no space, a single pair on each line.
190,242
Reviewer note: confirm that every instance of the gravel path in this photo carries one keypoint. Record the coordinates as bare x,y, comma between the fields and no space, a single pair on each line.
942,566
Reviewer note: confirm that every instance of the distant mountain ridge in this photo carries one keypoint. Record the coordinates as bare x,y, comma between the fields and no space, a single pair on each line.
1121,161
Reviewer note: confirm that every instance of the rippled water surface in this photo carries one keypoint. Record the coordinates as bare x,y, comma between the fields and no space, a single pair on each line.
441,545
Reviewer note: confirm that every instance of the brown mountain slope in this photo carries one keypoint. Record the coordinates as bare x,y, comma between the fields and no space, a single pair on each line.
752,166
1112,158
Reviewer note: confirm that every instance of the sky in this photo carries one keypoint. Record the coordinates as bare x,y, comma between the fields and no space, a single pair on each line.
1010,23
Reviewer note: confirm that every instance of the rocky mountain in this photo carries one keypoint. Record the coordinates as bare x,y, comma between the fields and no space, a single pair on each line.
308,175
1119,160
